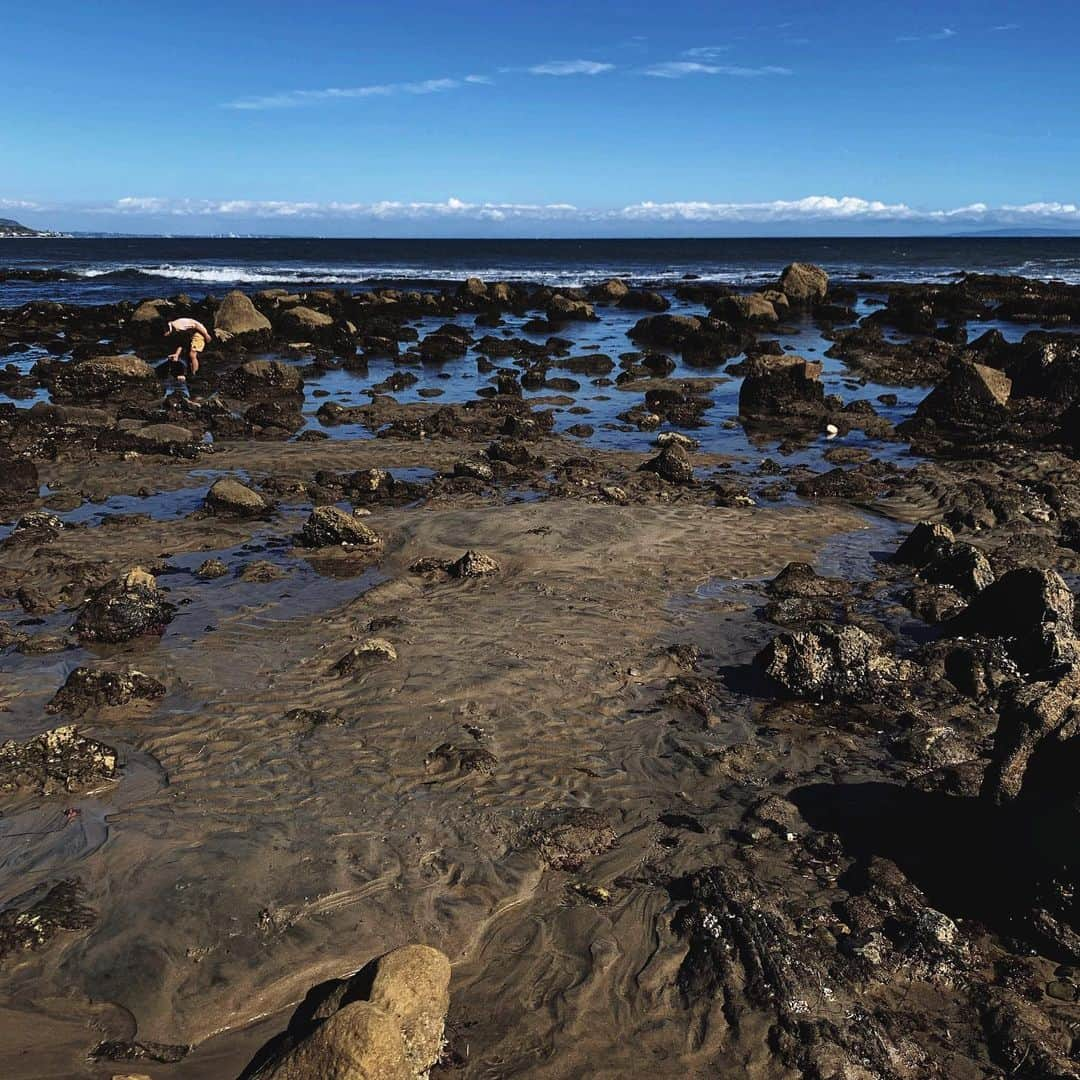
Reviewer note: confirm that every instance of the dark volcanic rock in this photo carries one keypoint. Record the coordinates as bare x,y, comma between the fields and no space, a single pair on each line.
827,662
125,608
971,393
1033,608
473,564
106,378
18,479
88,688
672,464
28,923
664,330
55,761
258,380
782,387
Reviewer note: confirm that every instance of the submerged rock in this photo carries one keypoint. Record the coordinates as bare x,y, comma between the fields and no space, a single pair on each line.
26,925
329,526
377,650
573,836
125,608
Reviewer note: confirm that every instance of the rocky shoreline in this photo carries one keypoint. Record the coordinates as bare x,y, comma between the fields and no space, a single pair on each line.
758,763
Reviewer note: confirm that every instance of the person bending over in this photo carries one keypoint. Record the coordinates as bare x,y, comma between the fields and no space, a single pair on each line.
191,338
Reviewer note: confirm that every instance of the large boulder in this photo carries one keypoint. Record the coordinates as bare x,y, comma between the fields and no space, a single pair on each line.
329,526
564,309
106,378
229,496
667,331
828,662
741,310
258,380
1031,608
126,607
970,393
609,291
781,387
804,284
237,317
304,321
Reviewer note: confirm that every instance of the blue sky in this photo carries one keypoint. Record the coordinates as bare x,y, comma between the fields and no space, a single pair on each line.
532,119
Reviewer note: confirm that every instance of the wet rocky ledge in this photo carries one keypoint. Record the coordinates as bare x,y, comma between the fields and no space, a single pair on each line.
750,698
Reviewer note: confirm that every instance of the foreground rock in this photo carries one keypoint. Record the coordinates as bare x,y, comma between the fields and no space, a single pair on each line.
60,760
383,1023
329,526
125,608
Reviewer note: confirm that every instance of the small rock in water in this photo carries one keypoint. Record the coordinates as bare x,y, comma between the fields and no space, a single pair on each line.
329,526
473,564
369,650
672,464
229,496
125,608
212,568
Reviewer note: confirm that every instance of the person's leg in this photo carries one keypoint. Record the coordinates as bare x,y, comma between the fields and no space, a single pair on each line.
193,366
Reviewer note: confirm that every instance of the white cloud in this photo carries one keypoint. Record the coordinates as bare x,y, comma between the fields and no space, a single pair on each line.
706,52
823,208
679,69
941,35
1004,27
292,98
19,204
571,67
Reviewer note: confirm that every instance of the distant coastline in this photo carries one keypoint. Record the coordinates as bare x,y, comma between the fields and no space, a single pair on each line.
13,230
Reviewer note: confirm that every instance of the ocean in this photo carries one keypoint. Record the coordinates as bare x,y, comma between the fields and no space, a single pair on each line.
101,270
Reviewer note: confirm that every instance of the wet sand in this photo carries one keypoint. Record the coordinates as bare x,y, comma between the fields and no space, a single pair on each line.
275,821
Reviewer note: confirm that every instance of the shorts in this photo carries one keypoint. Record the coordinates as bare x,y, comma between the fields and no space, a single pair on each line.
198,342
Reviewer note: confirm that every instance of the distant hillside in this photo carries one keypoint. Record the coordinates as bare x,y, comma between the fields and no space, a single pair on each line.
12,230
